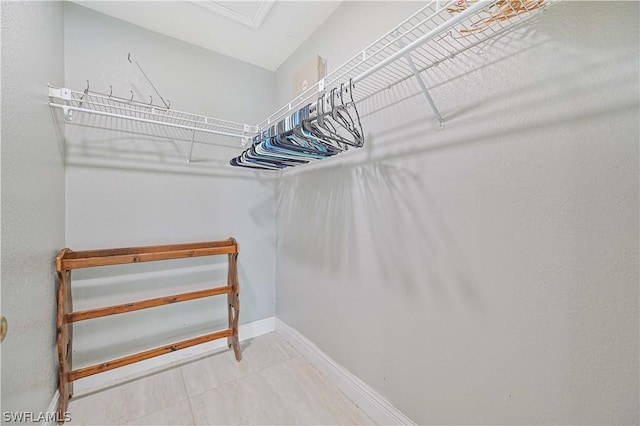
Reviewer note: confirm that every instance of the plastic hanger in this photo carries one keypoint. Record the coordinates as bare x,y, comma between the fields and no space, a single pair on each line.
311,133
341,116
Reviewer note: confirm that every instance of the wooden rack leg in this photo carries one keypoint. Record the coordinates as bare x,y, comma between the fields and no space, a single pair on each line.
233,299
65,338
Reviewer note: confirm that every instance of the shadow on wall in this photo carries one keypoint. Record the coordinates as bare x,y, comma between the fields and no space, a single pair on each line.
108,142
374,209
330,209
331,216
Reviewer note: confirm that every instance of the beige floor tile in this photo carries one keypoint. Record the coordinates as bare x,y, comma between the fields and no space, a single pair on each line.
266,404
273,384
209,373
265,351
129,401
224,405
292,392
216,370
309,396
175,415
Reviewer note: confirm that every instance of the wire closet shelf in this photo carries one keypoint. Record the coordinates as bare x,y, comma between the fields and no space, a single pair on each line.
437,32
153,119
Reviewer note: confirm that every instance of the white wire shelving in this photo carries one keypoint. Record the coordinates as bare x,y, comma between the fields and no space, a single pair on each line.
434,34
152,119
437,32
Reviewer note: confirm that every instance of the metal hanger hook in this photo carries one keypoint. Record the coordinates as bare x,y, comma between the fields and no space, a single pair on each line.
351,89
131,100
85,91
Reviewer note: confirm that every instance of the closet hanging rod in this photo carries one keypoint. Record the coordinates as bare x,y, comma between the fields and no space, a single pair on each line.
88,102
155,114
144,120
432,35
69,95
477,7
340,73
409,76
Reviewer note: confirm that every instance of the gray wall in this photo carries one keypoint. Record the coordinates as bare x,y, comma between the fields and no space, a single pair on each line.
32,201
486,273
127,189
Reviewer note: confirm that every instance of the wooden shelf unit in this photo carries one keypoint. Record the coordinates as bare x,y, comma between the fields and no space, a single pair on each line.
67,260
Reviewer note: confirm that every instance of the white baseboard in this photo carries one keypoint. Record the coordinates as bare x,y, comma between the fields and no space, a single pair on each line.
53,407
256,328
130,372
369,401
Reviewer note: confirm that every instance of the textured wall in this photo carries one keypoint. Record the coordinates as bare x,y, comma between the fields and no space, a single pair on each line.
486,273
125,188
32,201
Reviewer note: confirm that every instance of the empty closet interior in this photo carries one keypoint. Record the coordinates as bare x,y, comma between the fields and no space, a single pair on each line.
447,210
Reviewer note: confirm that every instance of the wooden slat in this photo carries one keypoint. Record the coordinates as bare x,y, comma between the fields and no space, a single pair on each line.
130,359
64,337
234,304
64,253
144,304
69,254
107,260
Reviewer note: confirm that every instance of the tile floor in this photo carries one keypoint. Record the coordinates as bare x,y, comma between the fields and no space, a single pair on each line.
273,384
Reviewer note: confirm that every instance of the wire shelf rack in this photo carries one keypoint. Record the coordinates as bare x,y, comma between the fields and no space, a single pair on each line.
153,120
437,32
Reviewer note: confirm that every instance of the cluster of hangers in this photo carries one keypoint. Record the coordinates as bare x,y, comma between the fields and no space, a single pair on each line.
319,130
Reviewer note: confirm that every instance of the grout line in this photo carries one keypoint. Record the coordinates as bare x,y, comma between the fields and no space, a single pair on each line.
164,407
186,393
217,387
237,379
253,372
288,356
172,405
330,384
152,412
248,331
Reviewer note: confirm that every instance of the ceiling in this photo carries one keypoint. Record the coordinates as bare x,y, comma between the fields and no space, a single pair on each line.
264,33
